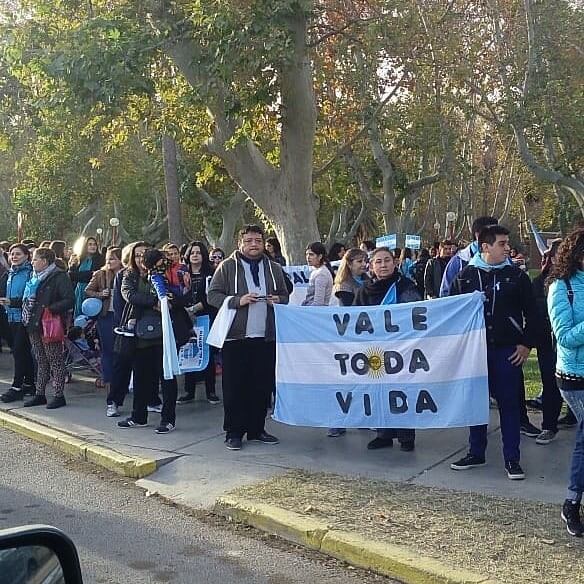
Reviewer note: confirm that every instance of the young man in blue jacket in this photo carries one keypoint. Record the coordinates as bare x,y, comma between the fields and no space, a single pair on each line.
509,318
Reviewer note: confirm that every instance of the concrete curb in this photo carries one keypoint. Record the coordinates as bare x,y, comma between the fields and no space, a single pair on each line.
122,464
394,561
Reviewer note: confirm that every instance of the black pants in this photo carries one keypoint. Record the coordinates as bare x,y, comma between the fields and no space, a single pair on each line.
248,379
402,434
169,395
121,373
146,366
522,405
207,375
552,399
22,353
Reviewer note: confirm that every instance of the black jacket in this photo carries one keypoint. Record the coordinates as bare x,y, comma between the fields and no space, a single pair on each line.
55,293
84,276
510,310
433,276
374,291
137,303
544,329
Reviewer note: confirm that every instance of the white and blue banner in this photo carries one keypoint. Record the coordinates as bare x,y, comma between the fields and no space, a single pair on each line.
389,241
415,365
413,241
194,356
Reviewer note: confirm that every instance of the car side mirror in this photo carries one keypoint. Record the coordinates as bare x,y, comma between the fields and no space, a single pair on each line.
38,553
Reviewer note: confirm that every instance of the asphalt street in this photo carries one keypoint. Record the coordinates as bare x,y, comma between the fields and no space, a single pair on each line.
124,536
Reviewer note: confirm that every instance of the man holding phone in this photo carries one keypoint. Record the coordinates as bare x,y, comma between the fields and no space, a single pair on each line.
255,284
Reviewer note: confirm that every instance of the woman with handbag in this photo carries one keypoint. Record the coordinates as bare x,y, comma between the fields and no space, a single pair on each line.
141,305
48,297
100,286
12,285
197,273
82,267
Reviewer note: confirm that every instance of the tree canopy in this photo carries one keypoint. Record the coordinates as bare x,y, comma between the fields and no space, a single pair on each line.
333,119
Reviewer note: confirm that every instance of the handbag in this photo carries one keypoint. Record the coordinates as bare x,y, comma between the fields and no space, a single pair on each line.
52,327
149,326
222,324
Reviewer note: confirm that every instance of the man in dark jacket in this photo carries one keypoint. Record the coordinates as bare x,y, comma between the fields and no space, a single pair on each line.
435,269
510,327
255,284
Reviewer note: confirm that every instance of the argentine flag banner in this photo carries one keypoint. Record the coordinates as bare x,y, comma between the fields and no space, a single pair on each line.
414,365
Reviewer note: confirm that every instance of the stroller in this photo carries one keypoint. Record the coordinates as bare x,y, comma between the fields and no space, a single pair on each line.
82,352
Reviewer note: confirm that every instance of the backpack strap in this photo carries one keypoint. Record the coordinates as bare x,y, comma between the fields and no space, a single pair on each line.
570,291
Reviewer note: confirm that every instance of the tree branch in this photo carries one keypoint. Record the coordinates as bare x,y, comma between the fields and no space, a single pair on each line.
347,145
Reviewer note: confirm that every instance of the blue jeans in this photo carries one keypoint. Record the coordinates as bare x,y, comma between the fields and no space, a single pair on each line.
105,330
575,399
504,381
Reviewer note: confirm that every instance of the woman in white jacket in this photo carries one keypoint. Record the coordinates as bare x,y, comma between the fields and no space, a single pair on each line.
320,283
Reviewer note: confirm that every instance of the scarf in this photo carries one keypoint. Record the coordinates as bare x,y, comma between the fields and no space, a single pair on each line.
31,289
254,267
480,263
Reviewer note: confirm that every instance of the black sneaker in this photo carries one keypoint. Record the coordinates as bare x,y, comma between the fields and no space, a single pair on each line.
35,400
28,388
233,443
571,515
568,420
407,446
514,471
528,429
186,398
265,438
165,428
213,399
12,395
57,402
467,462
378,443
129,423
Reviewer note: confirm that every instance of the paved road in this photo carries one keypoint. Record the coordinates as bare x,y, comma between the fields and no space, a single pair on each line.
123,536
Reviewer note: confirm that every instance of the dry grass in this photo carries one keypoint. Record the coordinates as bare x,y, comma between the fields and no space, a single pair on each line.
514,541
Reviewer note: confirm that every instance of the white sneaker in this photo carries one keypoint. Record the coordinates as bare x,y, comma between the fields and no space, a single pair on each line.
112,411
155,409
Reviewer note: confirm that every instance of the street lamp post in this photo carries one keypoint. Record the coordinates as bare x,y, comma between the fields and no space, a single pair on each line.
450,219
437,229
99,232
114,223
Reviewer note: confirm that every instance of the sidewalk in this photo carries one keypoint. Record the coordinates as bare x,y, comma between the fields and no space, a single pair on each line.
193,467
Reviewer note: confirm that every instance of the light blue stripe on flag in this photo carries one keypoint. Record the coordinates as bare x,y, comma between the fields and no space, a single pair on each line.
460,403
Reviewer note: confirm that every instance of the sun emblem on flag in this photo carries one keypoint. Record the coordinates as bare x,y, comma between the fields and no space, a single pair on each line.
375,358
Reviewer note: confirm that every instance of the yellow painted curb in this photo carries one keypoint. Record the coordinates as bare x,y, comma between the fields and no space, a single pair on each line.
394,561
291,526
134,467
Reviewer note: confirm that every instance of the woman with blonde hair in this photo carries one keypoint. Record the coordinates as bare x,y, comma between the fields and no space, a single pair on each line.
349,280
100,286
351,276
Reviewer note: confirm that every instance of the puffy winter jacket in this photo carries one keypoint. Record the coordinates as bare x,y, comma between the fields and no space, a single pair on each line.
12,286
567,320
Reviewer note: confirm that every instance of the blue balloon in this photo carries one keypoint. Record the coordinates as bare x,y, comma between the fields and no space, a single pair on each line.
81,321
91,307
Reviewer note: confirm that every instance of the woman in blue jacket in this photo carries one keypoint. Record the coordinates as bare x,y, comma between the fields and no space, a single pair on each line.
12,285
566,311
